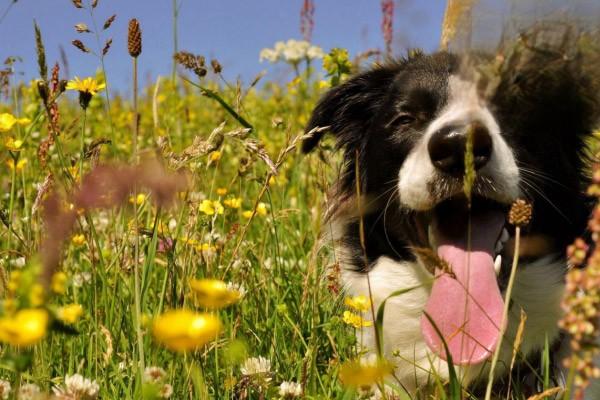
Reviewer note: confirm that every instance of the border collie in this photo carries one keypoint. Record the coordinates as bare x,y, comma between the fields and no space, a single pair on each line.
403,129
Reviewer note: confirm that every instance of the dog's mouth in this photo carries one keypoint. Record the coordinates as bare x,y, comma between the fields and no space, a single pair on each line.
465,303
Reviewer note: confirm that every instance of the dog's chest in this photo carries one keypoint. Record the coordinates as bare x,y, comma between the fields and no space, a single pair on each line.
538,292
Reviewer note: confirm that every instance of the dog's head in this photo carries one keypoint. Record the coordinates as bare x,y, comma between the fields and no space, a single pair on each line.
405,128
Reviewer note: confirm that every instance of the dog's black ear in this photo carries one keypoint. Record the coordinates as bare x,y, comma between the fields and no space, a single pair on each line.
349,108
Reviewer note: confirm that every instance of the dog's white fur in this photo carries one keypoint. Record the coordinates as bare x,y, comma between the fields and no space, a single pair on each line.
538,291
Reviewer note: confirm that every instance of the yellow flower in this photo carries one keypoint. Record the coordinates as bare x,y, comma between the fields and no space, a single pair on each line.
59,283
25,328
355,320
215,156
233,202
183,330
23,121
13,144
213,293
261,209
20,164
359,303
7,121
88,85
247,214
78,240
70,314
209,207
221,191
324,84
37,295
139,199
364,374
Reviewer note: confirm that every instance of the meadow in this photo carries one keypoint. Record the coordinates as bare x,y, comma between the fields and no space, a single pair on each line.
166,244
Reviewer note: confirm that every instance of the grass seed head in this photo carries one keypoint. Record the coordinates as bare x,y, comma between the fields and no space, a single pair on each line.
79,44
520,213
134,38
109,22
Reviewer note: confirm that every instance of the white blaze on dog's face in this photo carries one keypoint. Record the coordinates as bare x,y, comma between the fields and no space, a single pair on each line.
464,107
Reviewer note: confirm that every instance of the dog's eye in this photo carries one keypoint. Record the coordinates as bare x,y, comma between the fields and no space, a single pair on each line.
403,120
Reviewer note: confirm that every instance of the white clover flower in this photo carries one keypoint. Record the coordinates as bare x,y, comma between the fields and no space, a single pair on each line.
166,391
77,387
290,390
4,389
81,278
238,287
154,375
314,52
256,366
28,391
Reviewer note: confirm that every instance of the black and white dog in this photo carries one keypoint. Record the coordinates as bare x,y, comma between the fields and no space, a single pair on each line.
403,128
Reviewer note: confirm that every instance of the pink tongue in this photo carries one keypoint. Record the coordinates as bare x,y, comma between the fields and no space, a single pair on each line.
467,310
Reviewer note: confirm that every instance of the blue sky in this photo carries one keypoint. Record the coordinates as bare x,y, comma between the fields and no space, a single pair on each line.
233,31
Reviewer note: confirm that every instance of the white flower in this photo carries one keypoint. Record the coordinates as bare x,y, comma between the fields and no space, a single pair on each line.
238,287
166,391
295,51
154,375
4,389
290,390
81,278
29,391
256,366
77,388
315,52
18,262
268,54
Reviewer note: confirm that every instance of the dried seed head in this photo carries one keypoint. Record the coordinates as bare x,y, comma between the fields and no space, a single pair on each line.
134,38
94,3
82,28
106,46
77,3
191,62
42,87
520,213
216,66
79,44
432,261
109,21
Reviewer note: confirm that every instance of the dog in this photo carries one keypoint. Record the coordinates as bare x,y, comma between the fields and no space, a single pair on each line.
403,129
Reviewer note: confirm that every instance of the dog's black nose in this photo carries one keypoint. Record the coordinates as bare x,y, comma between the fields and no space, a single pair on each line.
447,147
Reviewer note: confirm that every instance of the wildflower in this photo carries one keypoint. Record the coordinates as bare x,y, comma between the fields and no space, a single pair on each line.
355,320
213,293
86,88
577,252
79,279
208,250
365,372
58,283
4,389
215,156
10,163
221,191
290,390
166,391
233,202
154,375
29,391
183,330
257,369
70,314
7,121
78,240
13,144
37,295
139,199
261,209
25,328
77,387
359,303
210,207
